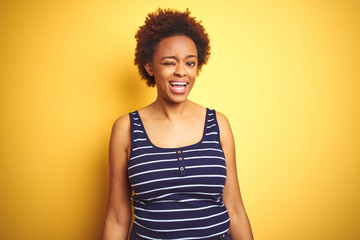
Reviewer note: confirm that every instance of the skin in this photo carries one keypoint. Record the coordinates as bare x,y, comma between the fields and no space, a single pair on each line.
175,58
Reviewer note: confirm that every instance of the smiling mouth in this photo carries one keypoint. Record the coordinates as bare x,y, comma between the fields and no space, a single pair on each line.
178,85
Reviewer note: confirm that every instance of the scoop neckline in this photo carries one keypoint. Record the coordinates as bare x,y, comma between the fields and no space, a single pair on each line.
176,148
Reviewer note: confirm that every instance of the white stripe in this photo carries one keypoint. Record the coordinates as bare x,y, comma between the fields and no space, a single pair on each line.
203,149
139,139
151,171
136,124
135,118
189,200
138,131
211,133
178,210
180,186
150,154
211,125
169,194
210,120
188,238
204,157
155,161
201,166
210,142
134,149
133,113
182,229
210,114
174,178
180,220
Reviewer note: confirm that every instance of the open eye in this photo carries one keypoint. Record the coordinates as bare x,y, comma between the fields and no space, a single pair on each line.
191,64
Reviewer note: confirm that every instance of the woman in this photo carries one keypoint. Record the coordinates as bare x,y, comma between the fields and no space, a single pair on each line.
171,152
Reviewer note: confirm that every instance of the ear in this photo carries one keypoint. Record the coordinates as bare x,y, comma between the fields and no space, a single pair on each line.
148,68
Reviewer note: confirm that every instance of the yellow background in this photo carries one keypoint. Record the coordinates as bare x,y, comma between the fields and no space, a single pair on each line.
286,73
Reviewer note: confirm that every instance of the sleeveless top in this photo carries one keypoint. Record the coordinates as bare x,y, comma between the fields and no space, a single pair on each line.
178,192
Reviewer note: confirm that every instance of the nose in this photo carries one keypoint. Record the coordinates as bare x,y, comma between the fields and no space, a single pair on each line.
180,70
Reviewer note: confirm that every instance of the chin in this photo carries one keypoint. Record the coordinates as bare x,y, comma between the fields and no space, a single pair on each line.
178,99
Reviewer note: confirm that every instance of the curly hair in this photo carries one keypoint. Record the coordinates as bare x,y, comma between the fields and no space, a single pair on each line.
165,23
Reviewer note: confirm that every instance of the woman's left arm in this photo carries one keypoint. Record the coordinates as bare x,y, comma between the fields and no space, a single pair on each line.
240,228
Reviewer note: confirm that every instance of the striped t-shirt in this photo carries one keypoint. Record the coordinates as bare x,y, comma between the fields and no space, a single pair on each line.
178,192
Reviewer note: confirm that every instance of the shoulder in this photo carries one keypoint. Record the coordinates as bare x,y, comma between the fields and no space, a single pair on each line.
224,128
222,120
121,132
121,124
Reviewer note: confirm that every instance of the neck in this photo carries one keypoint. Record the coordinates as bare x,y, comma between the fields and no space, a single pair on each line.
170,110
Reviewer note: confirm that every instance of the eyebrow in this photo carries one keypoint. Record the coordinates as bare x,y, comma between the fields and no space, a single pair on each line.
173,57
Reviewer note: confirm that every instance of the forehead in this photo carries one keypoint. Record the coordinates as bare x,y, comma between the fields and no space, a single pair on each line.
176,46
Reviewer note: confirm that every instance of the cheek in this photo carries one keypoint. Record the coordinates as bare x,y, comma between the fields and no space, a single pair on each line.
161,77
193,74
163,73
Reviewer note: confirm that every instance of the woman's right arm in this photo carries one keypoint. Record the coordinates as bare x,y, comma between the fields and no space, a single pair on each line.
118,216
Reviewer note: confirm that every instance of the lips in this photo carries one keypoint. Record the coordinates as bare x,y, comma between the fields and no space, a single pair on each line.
178,87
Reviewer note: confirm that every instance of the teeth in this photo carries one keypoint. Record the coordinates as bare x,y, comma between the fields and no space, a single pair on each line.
178,83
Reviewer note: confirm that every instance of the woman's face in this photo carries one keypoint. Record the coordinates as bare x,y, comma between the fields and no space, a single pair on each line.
174,67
